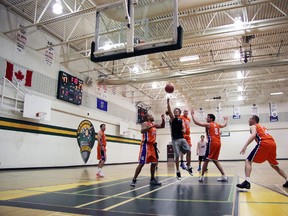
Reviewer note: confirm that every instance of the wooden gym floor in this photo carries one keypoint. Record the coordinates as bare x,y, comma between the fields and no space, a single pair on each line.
77,191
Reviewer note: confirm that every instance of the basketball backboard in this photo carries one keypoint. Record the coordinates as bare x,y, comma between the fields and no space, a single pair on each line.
123,129
36,107
135,30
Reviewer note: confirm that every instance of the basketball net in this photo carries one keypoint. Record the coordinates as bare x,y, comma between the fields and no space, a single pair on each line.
41,115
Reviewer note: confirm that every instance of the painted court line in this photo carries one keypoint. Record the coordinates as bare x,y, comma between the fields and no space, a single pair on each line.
129,200
104,186
281,189
68,186
115,195
183,200
235,206
231,197
232,190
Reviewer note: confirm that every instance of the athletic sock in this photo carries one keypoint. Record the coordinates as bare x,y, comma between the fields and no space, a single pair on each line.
247,179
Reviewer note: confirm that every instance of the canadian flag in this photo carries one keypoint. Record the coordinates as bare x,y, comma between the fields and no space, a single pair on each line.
21,74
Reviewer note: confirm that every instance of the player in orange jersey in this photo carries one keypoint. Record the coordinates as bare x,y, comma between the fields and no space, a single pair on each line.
101,149
186,120
265,149
213,145
148,149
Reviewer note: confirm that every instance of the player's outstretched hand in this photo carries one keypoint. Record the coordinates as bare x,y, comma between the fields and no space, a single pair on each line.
192,112
243,150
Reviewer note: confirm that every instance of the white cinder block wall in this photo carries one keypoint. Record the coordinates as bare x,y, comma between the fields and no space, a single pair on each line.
22,149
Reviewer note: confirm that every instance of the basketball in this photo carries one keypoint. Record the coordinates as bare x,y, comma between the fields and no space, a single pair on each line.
169,88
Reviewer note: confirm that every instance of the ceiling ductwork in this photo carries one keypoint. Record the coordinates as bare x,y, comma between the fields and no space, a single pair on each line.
154,9
191,73
210,32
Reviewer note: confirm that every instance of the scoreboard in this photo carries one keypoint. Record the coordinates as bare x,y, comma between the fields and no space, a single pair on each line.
141,113
69,88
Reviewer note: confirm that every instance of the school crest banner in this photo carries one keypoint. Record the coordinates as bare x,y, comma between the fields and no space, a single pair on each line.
201,114
273,112
236,112
254,110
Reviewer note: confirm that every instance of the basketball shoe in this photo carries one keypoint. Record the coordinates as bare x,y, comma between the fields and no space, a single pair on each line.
190,171
154,182
99,174
183,166
178,175
133,183
223,178
244,185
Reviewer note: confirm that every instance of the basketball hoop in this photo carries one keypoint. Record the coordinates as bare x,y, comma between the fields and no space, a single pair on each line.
41,115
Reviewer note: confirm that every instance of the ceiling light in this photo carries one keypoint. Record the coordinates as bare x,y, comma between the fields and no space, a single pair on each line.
154,85
240,97
168,96
237,54
240,74
240,88
135,69
57,7
238,22
276,93
189,58
107,46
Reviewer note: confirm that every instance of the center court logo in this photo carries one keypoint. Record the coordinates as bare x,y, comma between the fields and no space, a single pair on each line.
85,139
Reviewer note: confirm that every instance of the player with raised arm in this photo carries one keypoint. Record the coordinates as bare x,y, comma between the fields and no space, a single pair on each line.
213,145
179,144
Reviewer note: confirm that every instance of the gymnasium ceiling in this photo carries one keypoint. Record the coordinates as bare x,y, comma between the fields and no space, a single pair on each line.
209,33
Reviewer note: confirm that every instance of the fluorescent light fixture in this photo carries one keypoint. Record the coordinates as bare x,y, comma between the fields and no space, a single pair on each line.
178,103
154,85
109,45
238,22
237,54
210,99
168,96
276,93
240,97
57,7
189,58
240,88
135,69
240,75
